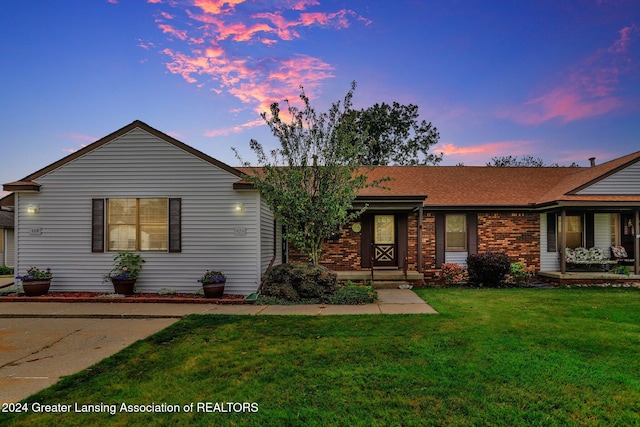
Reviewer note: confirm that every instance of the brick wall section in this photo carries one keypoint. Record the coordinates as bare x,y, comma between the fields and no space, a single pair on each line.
412,239
429,244
515,233
338,255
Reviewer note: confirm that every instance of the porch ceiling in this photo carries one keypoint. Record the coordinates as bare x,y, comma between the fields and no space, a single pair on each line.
390,203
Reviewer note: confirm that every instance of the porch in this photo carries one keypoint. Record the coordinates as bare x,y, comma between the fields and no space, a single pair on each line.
586,277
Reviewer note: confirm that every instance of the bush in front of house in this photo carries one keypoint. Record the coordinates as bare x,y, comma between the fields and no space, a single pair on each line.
519,272
300,283
453,274
488,269
353,294
4,270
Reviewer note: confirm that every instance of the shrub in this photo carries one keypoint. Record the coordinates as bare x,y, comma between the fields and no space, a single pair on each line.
621,269
453,274
296,282
519,272
4,270
488,269
353,294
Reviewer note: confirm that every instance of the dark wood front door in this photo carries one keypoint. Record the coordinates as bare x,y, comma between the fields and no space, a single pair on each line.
384,239
385,245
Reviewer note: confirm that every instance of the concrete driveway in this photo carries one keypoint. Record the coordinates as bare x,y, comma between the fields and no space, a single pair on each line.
36,352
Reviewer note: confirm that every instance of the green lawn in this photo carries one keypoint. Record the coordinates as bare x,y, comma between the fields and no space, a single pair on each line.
492,357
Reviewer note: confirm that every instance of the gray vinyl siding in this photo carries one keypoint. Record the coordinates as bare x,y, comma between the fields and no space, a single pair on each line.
602,232
459,258
140,165
625,181
3,247
10,248
549,261
266,237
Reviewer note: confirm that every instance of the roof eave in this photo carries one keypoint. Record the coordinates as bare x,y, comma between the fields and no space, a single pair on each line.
22,186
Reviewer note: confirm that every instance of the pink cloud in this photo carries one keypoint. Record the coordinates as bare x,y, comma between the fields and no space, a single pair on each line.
590,89
234,129
81,137
217,6
211,46
482,153
181,34
303,4
338,19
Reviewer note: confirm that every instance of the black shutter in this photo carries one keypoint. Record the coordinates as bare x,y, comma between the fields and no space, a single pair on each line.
552,240
440,239
175,225
590,238
97,225
366,236
472,233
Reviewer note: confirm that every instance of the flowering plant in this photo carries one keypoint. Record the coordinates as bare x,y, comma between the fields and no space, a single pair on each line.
212,276
36,273
454,274
126,265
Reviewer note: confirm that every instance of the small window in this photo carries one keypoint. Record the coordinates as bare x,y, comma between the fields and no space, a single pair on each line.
1,241
137,224
574,231
456,239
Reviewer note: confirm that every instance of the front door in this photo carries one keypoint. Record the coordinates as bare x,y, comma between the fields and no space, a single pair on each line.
384,246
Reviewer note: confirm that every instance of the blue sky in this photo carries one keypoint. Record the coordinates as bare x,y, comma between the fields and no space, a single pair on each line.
556,79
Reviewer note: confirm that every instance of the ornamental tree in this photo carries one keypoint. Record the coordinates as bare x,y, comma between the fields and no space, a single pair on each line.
311,180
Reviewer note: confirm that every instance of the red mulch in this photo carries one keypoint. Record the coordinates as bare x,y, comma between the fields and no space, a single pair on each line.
135,298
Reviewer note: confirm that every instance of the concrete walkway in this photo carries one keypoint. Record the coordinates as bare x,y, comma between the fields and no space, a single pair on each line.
390,301
43,341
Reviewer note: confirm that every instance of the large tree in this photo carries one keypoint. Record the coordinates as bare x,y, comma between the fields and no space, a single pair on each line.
311,180
526,161
395,135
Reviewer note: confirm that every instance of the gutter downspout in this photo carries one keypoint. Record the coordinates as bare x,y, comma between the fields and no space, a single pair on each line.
563,242
636,244
420,219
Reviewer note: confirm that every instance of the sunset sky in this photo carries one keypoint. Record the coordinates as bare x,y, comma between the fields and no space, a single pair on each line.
556,79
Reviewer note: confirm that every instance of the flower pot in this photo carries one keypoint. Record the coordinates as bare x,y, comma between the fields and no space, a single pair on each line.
124,286
213,290
36,287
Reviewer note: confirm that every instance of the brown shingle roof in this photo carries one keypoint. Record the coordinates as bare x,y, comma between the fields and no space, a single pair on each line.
476,186
469,185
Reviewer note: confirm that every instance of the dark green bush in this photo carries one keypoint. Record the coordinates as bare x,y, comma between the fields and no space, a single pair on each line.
296,282
488,269
353,294
4,270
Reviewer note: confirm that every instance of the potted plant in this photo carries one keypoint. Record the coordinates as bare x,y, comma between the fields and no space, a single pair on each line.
213,283
126,268
36,282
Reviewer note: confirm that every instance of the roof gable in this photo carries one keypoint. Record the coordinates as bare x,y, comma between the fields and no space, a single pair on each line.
622,179
120,132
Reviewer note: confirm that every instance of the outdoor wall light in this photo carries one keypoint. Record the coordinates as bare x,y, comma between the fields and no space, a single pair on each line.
239,207
32,209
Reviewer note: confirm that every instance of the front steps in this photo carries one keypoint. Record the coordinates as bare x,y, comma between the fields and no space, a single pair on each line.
382,279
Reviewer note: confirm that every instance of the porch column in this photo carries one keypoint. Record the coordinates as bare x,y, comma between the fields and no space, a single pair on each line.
420,217
636,243
563,242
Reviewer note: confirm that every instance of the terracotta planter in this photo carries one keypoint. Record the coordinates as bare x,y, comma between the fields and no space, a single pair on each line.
213,290
36,287
124,286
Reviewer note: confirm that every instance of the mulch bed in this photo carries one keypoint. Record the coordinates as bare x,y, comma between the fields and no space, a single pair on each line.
135,298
